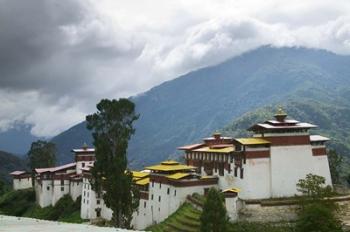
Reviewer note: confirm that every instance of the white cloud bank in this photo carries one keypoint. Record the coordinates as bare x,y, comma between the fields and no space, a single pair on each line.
61,57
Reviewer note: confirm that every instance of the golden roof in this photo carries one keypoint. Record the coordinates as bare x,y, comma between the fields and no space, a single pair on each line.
178,175
170,165
252,141
143,181
216,150
138,175
233,190
170,162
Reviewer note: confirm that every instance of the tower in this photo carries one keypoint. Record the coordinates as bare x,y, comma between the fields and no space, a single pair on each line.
83,157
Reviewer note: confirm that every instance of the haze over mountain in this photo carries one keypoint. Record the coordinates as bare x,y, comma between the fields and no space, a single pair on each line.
17,140
194,105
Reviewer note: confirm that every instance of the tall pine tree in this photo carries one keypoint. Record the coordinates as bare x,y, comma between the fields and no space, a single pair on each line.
214,216
112,127
42,154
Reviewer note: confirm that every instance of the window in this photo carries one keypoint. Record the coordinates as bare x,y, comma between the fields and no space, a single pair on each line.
84,201
175,193
144,204
87,201
159,198
48,187
62,182
168,191
84,193
83,164
62,189
98,202
235,171
160,185
242,169
152,197
152,183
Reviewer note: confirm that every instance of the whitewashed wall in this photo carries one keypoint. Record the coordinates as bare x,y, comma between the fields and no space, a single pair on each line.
59,190
44,193
289,164
22,183
76,188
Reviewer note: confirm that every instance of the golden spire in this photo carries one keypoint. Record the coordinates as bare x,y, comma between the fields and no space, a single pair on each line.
280,114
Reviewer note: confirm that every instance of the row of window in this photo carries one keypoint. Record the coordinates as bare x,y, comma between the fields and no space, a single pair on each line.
208,156
48,188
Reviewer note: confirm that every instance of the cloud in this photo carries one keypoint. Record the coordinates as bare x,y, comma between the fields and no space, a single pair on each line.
59,58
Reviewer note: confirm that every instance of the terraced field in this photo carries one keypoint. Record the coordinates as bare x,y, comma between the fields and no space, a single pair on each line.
185,219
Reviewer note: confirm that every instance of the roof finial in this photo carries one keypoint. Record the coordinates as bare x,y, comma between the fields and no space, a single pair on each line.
85,146
280,114
217,134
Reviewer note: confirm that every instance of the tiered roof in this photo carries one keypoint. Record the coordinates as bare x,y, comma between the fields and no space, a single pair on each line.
215,144
281,123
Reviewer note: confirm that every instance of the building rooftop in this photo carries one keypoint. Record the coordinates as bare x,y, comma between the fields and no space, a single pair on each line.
169,165
17,173
143,181
318,138
55,169
233,190
178,175
84,150
252,141
227,149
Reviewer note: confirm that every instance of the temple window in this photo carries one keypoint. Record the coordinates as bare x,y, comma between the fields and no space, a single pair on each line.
242,170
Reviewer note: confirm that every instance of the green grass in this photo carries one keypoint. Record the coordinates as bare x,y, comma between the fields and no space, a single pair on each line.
186,218
21,203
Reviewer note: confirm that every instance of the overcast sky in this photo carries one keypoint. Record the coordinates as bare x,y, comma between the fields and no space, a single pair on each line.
58,58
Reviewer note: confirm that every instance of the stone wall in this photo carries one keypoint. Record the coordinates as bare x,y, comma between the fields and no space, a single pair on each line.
282,210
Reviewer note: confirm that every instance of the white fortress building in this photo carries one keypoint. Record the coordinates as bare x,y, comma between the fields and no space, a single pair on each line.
266,165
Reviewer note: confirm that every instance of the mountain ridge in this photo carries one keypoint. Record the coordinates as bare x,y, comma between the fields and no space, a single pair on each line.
196,104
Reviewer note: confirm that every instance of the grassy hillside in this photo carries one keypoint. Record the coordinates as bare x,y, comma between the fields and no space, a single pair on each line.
194,105
187,219
21,203
9,163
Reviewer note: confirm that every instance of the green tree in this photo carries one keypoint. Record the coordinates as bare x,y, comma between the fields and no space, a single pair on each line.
313,186
112,127
3,187
335,160
214,216
318,213
42,154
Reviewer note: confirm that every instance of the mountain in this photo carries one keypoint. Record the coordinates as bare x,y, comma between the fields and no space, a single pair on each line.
333,120
10,163
17,140
194,105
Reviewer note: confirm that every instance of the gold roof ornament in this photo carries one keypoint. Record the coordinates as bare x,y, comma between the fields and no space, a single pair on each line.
280,111
280,114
